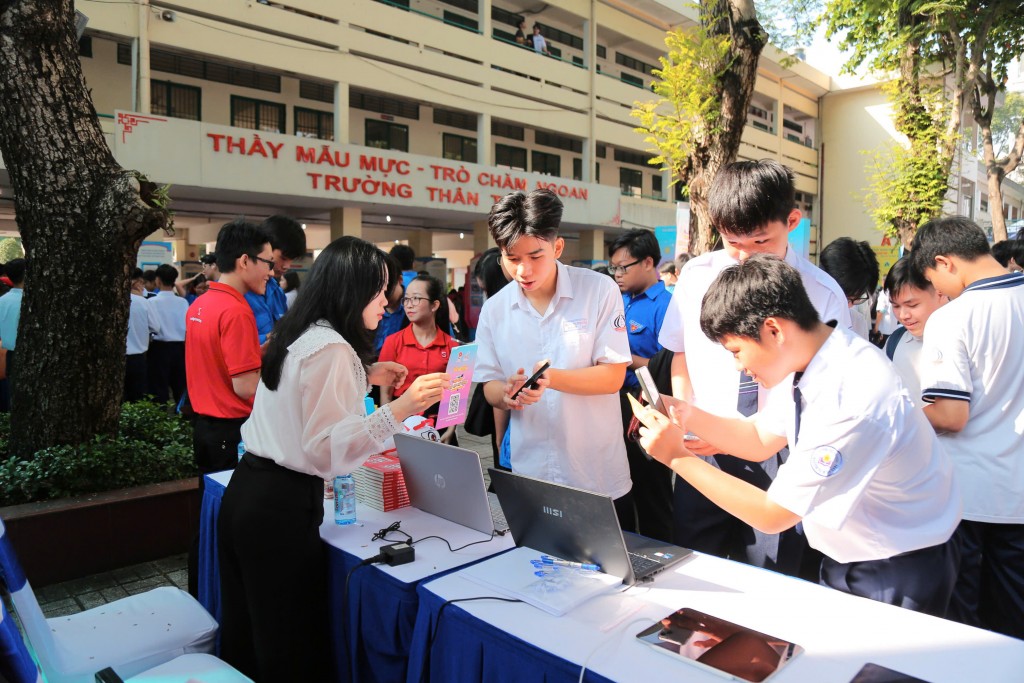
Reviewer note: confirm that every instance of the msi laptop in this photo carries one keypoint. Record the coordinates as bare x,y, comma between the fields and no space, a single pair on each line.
447,481
580,526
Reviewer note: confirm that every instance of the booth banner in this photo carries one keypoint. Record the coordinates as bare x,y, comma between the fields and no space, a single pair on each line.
153,254
666,236
887,251
800,238
199,154
682,228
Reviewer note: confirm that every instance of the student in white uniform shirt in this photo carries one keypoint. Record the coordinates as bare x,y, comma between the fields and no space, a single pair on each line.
913,300
854,267
568,430
866,474
752,204
974,383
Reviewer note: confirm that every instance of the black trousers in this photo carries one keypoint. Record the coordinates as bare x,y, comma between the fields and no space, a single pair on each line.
701,525
273,574
136,376
215,448
990,583
652,484
166,367
921,580
6,388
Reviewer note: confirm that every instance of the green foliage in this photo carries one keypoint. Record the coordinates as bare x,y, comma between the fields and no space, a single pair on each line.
1006,120
907,185
150,447
10,249
790,23
688,112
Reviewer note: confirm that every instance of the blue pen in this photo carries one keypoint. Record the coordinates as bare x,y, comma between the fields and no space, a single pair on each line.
547,559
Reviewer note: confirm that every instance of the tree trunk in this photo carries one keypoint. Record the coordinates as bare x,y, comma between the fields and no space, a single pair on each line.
738,20
81,219
997,169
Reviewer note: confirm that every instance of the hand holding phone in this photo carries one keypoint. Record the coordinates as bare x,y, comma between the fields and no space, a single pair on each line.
531,382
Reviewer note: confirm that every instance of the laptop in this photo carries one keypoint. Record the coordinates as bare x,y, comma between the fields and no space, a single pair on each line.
447,481
580,526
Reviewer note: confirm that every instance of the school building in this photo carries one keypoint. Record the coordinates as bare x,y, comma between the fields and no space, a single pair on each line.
403,120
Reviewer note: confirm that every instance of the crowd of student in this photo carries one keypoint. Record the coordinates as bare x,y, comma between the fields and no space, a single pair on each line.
789,441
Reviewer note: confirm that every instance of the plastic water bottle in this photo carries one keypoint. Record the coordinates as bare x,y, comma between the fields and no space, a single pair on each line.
241,449
344,499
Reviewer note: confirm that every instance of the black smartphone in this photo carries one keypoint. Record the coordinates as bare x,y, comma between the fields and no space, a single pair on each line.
532,381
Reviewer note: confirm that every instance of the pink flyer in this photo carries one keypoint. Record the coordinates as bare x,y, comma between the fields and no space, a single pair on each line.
454,405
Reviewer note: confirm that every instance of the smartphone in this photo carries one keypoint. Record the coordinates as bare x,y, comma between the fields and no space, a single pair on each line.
650,390
532,381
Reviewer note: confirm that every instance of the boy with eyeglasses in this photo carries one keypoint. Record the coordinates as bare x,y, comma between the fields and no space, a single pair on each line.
753,205
855,267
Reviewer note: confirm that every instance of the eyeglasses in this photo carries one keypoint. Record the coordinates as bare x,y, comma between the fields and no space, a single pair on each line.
269,262
615,270
856,300
413,300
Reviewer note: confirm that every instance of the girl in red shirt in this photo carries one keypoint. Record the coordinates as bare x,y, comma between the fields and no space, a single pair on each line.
424,347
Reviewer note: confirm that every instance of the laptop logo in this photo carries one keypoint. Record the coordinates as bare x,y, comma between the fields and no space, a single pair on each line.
439,481
554,512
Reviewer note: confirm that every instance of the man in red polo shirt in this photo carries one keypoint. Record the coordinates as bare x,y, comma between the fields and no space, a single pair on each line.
222,355
222,352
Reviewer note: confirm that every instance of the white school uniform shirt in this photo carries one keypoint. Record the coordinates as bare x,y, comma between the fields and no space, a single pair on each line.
140,326
973,352
713,372
909,364
888,324
169,310
564,438
866,472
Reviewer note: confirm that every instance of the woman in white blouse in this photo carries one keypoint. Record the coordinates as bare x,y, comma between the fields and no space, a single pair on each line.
308,424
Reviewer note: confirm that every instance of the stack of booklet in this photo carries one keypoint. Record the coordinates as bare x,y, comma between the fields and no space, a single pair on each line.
380,483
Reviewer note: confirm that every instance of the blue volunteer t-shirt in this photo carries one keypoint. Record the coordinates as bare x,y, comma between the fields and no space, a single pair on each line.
645,313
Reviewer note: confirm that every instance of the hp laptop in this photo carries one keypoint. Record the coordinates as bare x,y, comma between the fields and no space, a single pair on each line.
447,481
580,526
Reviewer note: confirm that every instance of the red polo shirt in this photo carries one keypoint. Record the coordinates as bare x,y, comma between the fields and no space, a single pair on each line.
221,342
402,347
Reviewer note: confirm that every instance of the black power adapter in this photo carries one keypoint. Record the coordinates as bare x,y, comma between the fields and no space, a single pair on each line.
397,553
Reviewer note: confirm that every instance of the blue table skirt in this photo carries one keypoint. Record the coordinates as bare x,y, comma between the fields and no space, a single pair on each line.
467,649
371,630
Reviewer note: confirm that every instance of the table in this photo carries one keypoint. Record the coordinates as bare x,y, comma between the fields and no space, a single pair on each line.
501,642
371,630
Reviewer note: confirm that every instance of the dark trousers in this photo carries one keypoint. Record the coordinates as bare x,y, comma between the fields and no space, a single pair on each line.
652,485
166,367
273,574
215,448
701,525
6,386
136,376
990,583
920,580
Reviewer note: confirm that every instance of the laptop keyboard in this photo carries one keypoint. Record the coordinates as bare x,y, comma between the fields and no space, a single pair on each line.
497,515
642,565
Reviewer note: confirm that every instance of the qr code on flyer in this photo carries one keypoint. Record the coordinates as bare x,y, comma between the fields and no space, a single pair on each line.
453,403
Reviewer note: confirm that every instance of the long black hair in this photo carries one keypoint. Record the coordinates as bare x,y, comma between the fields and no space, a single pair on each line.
345,278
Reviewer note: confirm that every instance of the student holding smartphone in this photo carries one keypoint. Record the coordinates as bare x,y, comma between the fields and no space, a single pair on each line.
568,429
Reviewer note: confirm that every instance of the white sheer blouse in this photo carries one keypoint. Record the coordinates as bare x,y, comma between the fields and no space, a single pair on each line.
315,421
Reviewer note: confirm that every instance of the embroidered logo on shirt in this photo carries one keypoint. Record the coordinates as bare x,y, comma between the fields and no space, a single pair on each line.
634,326
578,325
444,353
620,322
826,461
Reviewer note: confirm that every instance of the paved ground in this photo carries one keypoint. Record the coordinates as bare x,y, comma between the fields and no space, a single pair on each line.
74,596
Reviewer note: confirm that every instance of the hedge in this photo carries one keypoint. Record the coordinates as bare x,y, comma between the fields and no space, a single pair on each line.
151,446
